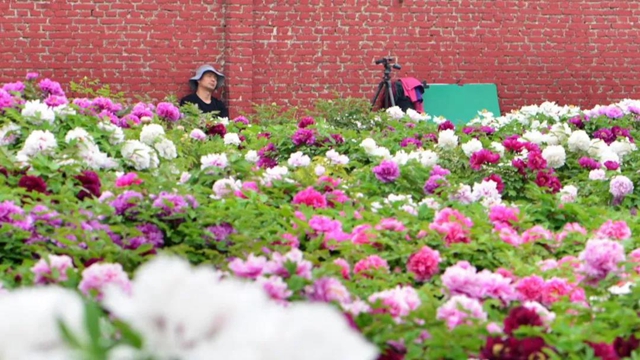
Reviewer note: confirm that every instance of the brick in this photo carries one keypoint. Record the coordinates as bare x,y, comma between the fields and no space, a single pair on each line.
523,46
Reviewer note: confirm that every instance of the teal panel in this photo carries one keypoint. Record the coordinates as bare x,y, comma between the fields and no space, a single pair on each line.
461,103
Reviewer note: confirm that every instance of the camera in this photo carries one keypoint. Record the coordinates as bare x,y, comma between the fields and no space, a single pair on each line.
386,61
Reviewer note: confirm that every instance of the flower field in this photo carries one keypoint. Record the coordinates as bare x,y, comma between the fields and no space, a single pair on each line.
147,231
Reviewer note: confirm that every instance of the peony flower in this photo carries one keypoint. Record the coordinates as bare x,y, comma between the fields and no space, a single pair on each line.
620,186
387,171
460,310
168,111
198,134
310,197
30,326
98,276
33,184
601,257
51,270
128,179
90,184
424,263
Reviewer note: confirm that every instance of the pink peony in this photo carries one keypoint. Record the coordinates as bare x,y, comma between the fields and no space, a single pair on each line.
460,310
97,276
390,224
601,257
198,134
530,288
310,197
52,271
501,214
617,230
324,224
369,263
495,286
460,279
424,264
453,225
570,228
620,186
251,268
275,287
360,234
328,289
509,235
536,233
168,111
388,171
344,266
277,264
398,302
128,179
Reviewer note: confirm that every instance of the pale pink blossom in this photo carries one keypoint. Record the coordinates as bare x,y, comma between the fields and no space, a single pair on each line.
616,230
52,270
461,310
398,302
251,268
97,276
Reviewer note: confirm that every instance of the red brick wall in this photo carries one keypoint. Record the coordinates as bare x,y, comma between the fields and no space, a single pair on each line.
141,47
290,52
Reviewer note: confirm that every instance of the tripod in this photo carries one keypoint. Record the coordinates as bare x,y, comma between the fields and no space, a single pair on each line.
384,87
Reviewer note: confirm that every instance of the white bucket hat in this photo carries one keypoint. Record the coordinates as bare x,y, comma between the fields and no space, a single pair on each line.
203,69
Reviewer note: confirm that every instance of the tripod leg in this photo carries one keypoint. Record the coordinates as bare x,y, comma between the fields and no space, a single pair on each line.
375,98
392,101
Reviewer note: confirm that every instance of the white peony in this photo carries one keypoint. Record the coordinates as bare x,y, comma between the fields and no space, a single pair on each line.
116,135
497,147
555,155
8,134
336,158
568,194
416,116
139,155
232,139
79,134
447,139
395,112
622,147
428,158
214,160
471,146
369,145
38,112
29,328
401,157
579,141
224,187
205,316
597,147
382,152
299,159
166,149
251,156
274,173
597,174
64,110
534,136
151,133
38,142
608,156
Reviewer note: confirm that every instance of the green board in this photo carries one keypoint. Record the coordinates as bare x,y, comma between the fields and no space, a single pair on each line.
460,103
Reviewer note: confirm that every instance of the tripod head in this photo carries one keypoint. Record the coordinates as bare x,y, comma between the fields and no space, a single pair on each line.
386,62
